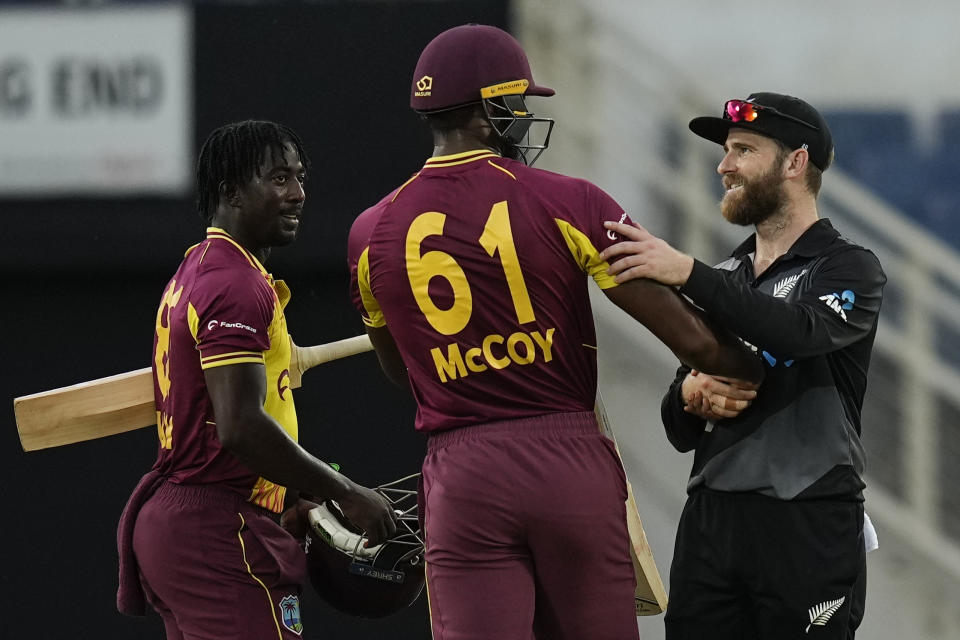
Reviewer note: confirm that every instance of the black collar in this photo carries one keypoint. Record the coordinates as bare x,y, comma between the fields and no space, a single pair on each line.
811,243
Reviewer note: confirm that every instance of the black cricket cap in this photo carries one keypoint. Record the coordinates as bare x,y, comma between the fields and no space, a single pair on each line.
780,124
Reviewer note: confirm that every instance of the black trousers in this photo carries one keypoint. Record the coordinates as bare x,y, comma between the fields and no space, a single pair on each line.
750,567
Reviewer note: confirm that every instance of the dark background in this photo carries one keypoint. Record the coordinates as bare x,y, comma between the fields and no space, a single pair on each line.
81,280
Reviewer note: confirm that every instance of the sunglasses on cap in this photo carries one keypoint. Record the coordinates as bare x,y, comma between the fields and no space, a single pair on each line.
743,111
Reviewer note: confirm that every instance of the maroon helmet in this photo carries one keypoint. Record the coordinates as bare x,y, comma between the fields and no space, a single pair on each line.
367,582
477,63
462,63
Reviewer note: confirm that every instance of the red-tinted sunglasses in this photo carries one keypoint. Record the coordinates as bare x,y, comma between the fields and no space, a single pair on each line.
743,111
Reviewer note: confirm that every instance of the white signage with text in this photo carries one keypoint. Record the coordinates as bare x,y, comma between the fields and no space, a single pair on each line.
96,101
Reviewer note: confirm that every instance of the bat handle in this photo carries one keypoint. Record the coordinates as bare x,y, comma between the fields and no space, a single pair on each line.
304,358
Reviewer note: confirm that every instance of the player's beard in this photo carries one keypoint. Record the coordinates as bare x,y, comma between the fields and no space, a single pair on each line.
758,199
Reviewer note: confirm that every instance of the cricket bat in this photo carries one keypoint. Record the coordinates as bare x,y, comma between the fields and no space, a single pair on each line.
650,597
124,402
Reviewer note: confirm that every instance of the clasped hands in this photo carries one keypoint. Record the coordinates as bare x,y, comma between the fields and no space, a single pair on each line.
716,397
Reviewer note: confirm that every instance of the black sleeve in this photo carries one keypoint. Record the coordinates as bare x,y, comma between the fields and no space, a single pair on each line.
838,306
683,429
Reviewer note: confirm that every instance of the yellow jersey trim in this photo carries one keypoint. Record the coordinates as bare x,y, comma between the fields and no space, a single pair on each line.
268,495
220,234
374,317
204,254
496,166
221,363
193,321
459,158
412,178
586,255
231,353
214,365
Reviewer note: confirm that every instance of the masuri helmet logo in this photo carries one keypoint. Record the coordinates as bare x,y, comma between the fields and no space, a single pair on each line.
424,85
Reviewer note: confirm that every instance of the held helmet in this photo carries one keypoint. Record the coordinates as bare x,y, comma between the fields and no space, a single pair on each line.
367,582
473,64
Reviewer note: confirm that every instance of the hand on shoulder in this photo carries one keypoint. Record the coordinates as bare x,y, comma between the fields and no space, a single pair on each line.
643,255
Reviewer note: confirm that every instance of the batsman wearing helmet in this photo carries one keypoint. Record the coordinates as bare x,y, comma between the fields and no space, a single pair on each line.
471,278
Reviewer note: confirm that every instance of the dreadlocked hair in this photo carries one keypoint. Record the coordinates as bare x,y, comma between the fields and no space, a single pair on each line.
232,155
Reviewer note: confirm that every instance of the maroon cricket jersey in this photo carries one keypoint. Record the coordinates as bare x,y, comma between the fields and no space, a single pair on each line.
477,267
220,308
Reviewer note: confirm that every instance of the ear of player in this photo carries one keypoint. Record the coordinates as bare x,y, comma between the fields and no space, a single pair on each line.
368,582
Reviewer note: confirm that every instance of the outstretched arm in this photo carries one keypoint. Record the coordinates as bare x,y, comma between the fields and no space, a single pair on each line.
817,322
693,338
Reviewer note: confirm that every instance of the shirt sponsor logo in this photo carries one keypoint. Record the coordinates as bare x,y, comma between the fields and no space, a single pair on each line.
840,302
213,324
611,233
495,352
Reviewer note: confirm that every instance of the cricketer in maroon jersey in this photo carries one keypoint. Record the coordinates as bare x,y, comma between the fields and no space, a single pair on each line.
502,326
472,281
199,538
224,304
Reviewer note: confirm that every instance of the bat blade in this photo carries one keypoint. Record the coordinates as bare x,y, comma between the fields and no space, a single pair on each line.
124,402
93,409
650,596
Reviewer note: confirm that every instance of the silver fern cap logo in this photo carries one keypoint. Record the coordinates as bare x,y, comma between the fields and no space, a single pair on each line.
783,288
821,614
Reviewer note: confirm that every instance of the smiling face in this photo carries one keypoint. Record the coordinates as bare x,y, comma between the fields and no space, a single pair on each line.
752,170
271,203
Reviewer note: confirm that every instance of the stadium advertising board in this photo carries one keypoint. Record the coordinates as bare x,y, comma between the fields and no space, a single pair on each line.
95,101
